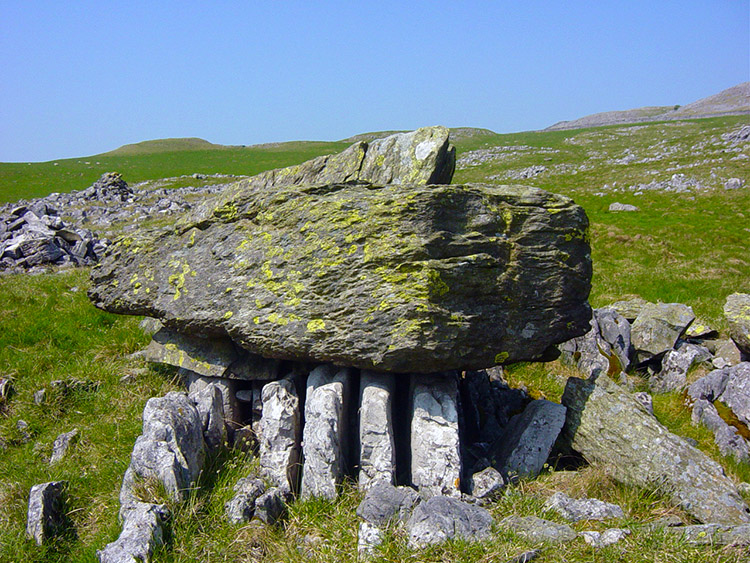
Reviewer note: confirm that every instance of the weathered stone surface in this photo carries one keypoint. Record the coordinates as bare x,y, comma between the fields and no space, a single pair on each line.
539,530
241,507
675,365
729,441
271,506
726,353
622,207
324,444
435,451
582,508
210,405
61,445
396,278
710,386
383,504
736,394
699,329
658,326
486,484
615,330
143,530
630,308
590,353
281,433
377,457
645,400
170,450
602,539
525,556
441,518
737,313
46,512
228,389
606,425
529,438
369,537
713,534
205,356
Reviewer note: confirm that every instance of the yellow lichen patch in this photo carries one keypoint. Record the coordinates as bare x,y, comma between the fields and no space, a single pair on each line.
178,280
316,325
501,357
228,315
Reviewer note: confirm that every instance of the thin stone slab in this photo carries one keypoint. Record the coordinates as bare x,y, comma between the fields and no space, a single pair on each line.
615,330
61,445
435,447
210,404
324,444
46,511
281,434
229,404
377,458
607,425
736,394
205,356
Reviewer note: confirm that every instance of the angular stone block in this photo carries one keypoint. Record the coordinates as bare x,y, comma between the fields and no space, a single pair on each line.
377,458
281,434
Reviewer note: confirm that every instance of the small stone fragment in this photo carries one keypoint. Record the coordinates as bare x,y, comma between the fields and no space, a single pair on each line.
61,445
241,507
675,365
607,537
442,518
486,484
384,503
143,530
39,396
270,507
538,530
46,514
583,508
369,537
622,207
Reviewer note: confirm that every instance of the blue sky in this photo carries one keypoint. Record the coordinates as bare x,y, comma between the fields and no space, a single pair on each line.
80,78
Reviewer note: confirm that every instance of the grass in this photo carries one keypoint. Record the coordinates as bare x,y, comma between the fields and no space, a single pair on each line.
690,248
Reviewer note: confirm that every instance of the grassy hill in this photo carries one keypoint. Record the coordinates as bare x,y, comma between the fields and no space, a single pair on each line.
688,246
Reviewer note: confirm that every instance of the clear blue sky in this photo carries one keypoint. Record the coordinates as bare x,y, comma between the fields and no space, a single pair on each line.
80,78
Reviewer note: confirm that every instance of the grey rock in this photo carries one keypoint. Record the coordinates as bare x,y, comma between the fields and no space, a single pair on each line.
170,450
409,298
744,488
658,326
525,557
645,400
486,484
538,530
699,329
324,443
241,507
40,396
377,458
614,328
61,445
143,531
607,425
209,402
150,326
45,518
609,536
228,387
710,386
590,353
442,518
675,365
6,390
435,448
582,508
369,537
529,438
281,433
733,184
205,356
727,352
384,504
713,534
271,506
630,309
622,207
736,394
729,441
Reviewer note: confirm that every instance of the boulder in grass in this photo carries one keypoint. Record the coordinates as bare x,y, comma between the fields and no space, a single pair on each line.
445,518
658,326
737,313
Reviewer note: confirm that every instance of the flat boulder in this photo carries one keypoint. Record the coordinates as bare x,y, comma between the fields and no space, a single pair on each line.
395,278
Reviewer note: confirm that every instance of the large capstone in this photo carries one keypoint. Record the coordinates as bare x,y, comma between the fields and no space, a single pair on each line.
396,278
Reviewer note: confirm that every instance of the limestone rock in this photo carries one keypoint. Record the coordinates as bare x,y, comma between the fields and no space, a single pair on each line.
622,207
529,438
324,443
227,387
737,313
384,503
608,537
271,506
658,326
170,450
395,278
538,530
583,508
143,530
46,512
714,534
281,433
486,484
441,518
675,365
377,458
241,507
210,405
615,330
61,445
205,356
736,394
729,441
710,386
369,537
608,426
435,451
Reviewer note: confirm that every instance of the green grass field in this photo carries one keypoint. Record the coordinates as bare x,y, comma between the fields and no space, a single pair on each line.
690,247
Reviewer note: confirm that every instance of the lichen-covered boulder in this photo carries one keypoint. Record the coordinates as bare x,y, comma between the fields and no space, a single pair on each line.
737,312
395,278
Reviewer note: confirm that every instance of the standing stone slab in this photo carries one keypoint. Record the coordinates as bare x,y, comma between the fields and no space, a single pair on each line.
435,448
228,389
658,326
210,405
529,438
205,356
737,313
615,330
324,443
608,426
377,458
46,512
736,394
281,434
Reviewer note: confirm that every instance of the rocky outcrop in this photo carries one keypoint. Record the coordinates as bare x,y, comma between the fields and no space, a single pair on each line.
608,426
